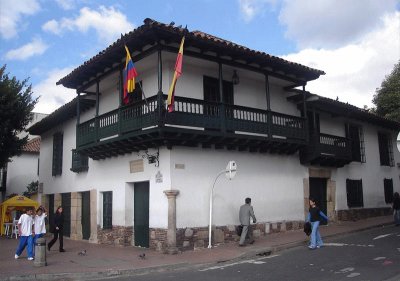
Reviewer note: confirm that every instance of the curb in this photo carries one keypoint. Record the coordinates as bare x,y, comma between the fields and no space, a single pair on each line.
265,251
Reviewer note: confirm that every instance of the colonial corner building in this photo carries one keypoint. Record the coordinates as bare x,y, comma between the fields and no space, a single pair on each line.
136,174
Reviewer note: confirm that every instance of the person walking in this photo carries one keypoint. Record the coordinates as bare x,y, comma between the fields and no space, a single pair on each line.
58,229
396,208
25,231
39,225
246,211
314,217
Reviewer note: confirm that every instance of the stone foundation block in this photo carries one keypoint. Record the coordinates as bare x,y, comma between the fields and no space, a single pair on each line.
219,236
199,244
188,232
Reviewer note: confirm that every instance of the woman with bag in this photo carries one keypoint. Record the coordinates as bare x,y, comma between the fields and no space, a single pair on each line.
314,217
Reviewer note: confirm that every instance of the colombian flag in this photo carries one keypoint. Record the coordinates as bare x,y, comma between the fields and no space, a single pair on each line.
177,74
129,76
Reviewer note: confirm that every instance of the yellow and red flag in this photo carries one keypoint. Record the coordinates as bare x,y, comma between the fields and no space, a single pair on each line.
129,76
177,74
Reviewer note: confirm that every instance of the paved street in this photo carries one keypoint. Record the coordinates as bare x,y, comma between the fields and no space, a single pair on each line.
368,255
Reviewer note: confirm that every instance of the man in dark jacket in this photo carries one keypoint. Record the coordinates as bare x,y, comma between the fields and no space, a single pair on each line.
246,211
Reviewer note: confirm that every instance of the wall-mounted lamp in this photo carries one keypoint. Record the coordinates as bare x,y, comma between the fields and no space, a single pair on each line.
152,158
235,78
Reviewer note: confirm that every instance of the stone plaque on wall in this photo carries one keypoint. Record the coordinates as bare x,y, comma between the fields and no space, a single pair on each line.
159,177
136,166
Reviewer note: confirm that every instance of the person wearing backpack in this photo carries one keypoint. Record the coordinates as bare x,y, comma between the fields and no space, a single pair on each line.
314,217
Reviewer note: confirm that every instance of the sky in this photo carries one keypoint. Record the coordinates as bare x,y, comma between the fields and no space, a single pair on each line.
356,42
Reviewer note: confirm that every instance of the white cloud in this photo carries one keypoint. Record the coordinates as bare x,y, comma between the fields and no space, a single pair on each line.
11,13
51,95
108,23
331,23
354,71
36,47
249,9
66,4
52,26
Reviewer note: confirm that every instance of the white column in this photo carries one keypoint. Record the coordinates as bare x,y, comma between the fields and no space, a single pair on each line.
171,233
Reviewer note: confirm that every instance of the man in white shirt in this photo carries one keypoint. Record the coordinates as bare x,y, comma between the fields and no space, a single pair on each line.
25,231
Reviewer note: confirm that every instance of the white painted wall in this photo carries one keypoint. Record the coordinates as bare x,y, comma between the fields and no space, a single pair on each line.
274,182
332,126
371,173
112,174
21,171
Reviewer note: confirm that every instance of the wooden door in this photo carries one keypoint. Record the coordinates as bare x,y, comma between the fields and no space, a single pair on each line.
66,205
141,217
318,192
85,215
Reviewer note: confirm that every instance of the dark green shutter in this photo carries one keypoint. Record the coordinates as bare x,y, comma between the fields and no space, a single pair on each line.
388,187
355,197
57,154
107,210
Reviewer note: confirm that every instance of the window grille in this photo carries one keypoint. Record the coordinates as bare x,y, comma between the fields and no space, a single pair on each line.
107,210
388,188
385,150
57,154
354,193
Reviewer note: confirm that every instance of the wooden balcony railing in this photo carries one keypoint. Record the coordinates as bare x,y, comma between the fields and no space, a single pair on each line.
191,113
327,150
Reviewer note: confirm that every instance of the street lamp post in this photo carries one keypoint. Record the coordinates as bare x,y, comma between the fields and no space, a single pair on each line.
229,172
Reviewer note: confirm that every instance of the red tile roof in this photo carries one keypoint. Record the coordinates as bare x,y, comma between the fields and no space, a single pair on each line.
33,145
152,31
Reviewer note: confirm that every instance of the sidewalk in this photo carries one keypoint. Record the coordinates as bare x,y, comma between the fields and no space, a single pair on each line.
104,261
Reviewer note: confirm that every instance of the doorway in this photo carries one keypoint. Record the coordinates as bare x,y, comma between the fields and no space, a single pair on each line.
318,192
141,214
85,219
66,205
51,212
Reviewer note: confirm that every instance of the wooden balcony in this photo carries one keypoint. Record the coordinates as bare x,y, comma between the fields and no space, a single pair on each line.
194,123
327,150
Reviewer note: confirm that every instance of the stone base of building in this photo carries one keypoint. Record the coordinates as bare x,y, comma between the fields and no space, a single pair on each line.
117,236
197,237
362,213
190,238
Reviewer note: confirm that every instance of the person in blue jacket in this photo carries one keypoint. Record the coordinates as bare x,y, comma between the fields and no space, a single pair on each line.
314,217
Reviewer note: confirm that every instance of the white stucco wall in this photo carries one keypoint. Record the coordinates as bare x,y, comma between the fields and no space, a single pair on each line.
112,174
332,126
270,180
21,171
371,173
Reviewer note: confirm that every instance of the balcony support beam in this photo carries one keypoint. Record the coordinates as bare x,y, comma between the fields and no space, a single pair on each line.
221,98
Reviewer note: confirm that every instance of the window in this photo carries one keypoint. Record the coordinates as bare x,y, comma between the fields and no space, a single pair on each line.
211,94
57,154
354,193
107,210
356,135
79,162
388,186
385,150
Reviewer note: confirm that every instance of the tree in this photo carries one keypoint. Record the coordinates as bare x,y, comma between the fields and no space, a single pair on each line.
32,189
387,97
16,105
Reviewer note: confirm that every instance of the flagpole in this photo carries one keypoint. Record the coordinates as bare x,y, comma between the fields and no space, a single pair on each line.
145,99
